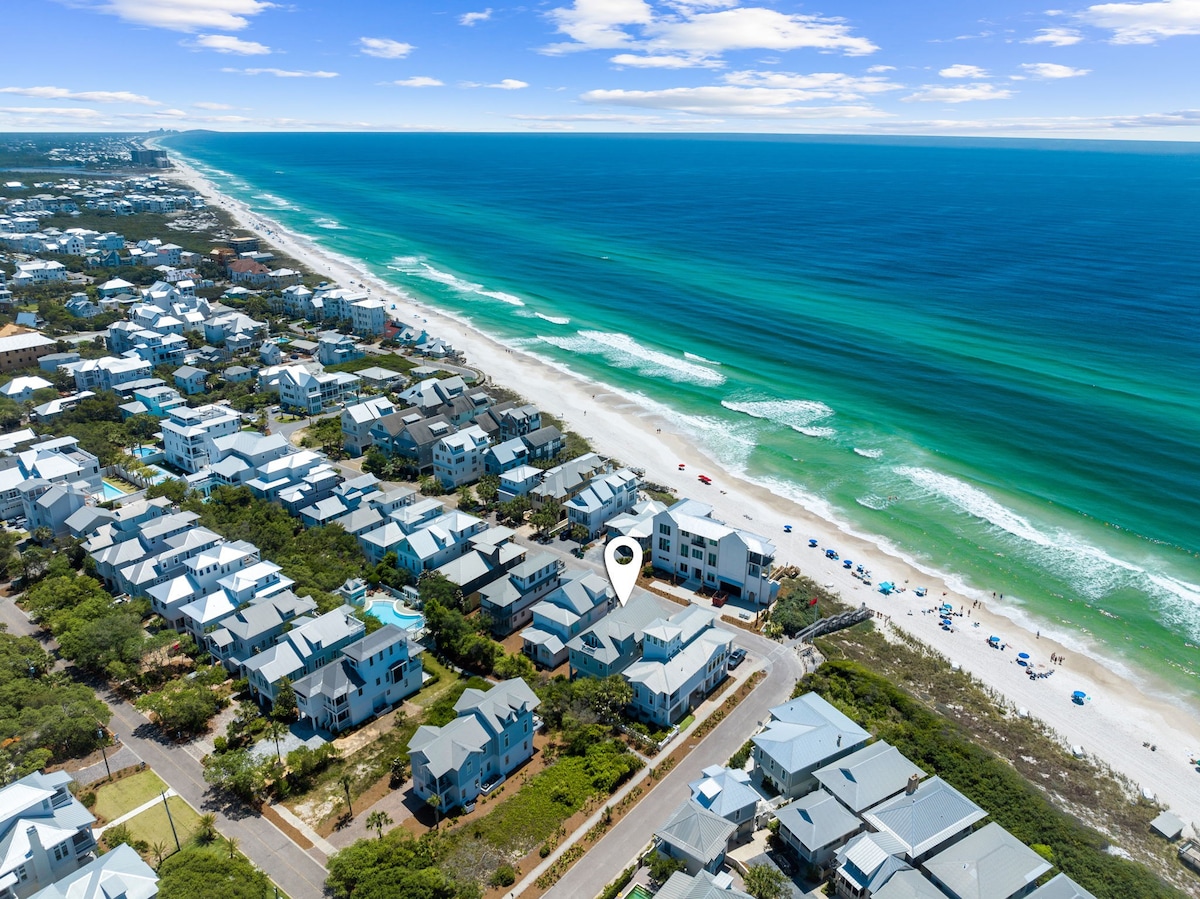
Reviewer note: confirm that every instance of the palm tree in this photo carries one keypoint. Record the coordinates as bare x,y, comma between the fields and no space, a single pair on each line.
208,828
345,780
159,849
378,820
435,802
232,843
275,730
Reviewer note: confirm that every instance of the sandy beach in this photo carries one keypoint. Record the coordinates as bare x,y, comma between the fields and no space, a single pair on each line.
1117,723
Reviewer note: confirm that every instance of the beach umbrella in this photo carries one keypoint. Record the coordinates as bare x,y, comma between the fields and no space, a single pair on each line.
1022,655
993,639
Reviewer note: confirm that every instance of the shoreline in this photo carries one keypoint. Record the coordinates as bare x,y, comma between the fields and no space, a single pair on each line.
1113,726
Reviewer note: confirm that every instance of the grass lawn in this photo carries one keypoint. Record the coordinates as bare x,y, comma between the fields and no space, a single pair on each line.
448,679
152,825
117,799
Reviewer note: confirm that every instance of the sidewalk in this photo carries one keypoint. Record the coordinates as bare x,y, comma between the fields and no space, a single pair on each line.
145,806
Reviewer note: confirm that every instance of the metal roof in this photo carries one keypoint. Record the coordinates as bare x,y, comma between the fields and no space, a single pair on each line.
989,864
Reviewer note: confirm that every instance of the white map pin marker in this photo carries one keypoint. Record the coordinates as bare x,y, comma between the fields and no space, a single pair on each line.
623,577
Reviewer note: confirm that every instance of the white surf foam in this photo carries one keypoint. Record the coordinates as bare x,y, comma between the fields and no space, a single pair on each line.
623,351
1094,572
794,413
696,358
869,453
329,224
819,433
553,319
872,501
417,266
277,202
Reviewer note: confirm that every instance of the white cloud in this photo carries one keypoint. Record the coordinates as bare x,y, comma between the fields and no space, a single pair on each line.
227,43
667,61
215,106
1145,23
61,93
693,29
758,102
1055,37
598,24
965,93
470,18
65,112
755,28
817,86
281,73
417,81
961,71
507,84
877,69
183,15
1051,70
384,48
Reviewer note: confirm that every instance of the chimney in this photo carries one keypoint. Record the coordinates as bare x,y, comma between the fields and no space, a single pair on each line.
913,782
39,862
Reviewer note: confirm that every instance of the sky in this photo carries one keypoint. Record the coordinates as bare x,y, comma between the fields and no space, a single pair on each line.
1120,70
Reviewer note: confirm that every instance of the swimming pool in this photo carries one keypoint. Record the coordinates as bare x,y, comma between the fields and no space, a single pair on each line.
639,892
143,451
112,491
386,612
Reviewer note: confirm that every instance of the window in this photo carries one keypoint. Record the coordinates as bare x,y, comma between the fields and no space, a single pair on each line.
697,554
664,529
712,558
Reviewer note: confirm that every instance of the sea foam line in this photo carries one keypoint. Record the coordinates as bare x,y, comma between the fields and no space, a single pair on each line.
415,265
623,351
795,414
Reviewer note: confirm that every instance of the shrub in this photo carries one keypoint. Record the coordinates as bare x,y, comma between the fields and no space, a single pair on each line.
505,876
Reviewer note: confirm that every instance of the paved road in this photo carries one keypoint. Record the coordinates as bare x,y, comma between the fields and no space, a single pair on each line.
296,872
617,848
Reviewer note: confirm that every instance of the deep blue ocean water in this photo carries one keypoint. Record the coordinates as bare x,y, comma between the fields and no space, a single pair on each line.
985,353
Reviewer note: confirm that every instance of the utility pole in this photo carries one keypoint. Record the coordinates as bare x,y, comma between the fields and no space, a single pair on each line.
167,806
103,753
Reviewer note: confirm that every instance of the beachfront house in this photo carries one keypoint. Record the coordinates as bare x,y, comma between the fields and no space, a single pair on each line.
868,863
490,738
190,380
565,612
691,544
562,482
189,434
683,658
407,434
868,776
373,674
800,737
928,816
989,864
45,832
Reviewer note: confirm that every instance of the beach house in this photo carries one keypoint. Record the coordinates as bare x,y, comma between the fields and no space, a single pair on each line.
190,434
928,816
800,737
695,836
301,651
508,601
690,543
256,627
815,827
564,613
45,832
490,738
868,776
459,458
372,674
614,642
683,658
989,864
728,793
604,497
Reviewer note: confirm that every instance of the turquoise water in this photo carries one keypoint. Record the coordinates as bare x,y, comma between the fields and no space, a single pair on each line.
386,612
143,451
985,354
112,492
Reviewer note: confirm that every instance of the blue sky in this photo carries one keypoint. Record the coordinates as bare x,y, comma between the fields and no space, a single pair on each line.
979,67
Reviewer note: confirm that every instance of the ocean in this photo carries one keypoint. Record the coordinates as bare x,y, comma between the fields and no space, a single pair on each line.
984,354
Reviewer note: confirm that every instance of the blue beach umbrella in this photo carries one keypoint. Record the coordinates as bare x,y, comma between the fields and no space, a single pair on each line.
1022,655
993,639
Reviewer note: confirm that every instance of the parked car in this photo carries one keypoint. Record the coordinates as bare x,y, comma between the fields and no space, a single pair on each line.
736,658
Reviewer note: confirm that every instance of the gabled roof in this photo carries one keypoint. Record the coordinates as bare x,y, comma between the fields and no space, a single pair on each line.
908,884
703,885
119,874
989,864
927,817
870,859
869,776
500,705
697,832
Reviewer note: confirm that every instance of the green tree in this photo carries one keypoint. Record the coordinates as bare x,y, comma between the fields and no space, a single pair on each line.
378,820
183,706
488,489
207,830
466,498
765,882
661,867
346,781
199,874
435,802
284,708
546,518
275,731
237,772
